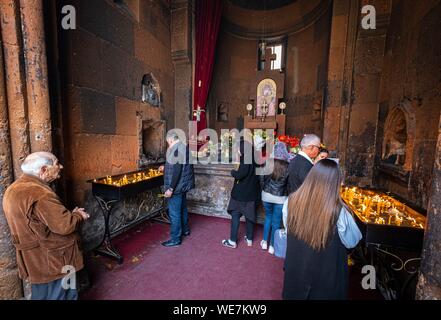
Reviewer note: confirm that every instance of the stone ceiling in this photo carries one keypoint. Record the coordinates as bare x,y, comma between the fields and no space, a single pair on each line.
248,20
261,4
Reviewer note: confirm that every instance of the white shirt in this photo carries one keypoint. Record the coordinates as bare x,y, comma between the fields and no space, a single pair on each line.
304,155
285,213
268,197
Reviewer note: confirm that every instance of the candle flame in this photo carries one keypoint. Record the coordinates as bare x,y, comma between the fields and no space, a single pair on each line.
379,208
129,179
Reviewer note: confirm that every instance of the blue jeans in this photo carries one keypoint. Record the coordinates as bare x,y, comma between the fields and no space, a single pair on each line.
273,220
52,291
178,213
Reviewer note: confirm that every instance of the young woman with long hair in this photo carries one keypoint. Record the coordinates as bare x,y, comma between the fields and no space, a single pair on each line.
316,259
274,194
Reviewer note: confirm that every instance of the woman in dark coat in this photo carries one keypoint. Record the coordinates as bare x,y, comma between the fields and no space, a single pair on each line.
316,260
244,196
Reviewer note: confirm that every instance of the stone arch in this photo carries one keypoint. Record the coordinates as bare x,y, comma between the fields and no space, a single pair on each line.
399,135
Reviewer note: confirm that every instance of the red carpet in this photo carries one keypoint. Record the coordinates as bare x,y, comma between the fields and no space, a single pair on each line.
200,269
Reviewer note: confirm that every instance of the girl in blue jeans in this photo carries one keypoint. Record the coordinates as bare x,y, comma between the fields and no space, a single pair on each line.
274,194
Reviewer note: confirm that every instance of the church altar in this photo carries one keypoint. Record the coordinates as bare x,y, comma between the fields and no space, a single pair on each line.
266,90
213,189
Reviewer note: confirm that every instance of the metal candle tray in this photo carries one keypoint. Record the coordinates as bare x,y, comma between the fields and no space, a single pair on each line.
113,192
389,235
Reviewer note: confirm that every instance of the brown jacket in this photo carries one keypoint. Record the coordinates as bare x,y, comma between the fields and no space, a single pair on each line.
43,230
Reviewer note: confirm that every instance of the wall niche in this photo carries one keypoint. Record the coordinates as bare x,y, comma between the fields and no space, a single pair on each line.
151,140
151,92
398,143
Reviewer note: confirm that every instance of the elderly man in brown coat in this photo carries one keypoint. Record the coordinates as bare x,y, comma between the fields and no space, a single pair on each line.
43,230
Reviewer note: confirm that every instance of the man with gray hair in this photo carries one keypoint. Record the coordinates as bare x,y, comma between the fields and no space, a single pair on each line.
43,230
178,180
300,166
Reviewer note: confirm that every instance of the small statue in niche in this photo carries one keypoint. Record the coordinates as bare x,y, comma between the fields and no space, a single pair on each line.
394,145
317,107
150,90
396,152
222,112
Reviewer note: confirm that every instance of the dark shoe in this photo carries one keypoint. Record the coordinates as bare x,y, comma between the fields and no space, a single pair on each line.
186,233
171,243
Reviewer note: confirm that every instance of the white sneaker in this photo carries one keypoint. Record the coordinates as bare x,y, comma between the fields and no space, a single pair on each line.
228,243
264,244
271,250
249,242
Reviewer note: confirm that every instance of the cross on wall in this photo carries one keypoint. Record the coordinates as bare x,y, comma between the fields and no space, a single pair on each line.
197,113
268,57
264,108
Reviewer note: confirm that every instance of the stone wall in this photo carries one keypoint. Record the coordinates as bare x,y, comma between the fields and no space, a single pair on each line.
373,72
10,284
306,63
25,120
103,62
355,69
411,82
366,77
182,54
429,285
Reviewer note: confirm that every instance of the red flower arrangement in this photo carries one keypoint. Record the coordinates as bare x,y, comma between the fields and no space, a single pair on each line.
290,141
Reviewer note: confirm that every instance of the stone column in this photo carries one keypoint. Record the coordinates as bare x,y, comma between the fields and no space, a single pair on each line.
367,70
340,73
354,75
429,284
10,284
36,75
181,42
15,82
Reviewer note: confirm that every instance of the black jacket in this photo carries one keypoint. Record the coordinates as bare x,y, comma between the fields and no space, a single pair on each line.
246,183
315,275
180,175
298,169
275,187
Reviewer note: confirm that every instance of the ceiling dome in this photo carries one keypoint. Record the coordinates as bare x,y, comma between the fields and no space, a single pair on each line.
249,20
261,4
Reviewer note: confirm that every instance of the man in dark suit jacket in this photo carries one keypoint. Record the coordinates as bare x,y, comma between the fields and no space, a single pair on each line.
300,166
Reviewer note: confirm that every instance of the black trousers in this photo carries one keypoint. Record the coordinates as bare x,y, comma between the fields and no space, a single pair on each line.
235,223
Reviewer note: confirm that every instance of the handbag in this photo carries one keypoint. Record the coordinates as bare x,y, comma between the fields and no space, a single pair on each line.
348,230
280,243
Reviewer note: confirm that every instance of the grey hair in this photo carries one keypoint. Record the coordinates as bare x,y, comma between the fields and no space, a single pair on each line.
35,161
309,139
172,135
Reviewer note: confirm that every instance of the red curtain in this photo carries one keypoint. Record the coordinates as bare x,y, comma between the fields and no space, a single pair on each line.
207,21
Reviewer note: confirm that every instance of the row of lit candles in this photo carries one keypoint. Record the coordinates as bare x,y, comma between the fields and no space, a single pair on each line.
134,178
365,203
